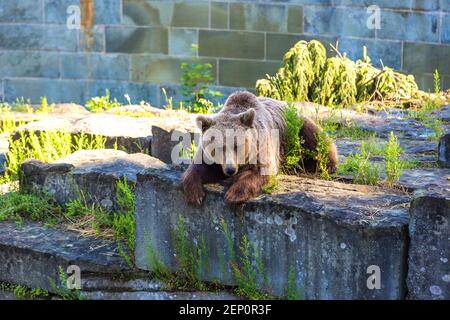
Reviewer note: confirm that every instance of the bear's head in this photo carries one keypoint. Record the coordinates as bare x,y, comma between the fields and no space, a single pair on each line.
228,140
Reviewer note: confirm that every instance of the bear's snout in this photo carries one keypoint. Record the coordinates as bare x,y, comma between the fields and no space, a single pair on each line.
230,170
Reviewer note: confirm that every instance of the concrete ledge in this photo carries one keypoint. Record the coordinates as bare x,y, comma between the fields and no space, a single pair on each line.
325,234
92,174
429,252
32,254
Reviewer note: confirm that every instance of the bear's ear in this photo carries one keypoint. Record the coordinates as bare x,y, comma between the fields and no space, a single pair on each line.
247,117
204,123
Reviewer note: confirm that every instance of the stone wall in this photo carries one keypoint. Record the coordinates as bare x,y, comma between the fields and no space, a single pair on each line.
136,46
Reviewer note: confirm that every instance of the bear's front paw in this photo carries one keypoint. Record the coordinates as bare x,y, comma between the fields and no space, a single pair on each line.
239,193
194,194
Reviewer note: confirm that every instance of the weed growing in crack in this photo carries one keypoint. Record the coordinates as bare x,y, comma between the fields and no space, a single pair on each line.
62,290
394,167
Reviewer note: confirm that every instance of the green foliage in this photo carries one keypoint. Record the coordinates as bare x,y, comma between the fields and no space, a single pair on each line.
292,292
188,153
437,82
196,80
22,292
8,123
45,107
156,266
351,131
17,206
321,154
424,115
63,291
270,186
123,221
191,257
293,150
295,153
246,274
393,152
229,239
308,75
22,105
102,103
364,172
46,146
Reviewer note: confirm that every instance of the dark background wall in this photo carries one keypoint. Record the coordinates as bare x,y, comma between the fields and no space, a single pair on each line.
136,46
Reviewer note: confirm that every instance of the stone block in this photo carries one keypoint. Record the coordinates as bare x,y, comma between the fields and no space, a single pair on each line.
337,21
425,58
137,91
110,66
325,235
92,41
258,17
181,41
74,66
167,13
161,69
105,11
444,151
295,19
219,15
278,44
20,11
37,37
163,143
427,5
54,89
29,64
398,4
223,44
446,29
137,40
429,252
409,26
244,73
33,254
425,82
90,174
191,14
389,52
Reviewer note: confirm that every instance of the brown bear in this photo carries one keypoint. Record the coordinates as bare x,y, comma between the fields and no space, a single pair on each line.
243,142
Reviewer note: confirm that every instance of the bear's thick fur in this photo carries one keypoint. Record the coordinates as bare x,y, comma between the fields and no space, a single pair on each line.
258,116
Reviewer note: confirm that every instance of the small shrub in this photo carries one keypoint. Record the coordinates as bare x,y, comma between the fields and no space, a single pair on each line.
48,146
293,150
393,152
437,82
124,221
270,186
22,105
196,80
307,74
8,123
44,106
364,172
102,103
63,291
292,292
22,292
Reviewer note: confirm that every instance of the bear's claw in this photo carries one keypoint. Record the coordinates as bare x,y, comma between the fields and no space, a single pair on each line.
194,196
237,194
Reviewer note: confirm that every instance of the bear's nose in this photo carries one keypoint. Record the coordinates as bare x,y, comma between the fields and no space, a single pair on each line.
230,171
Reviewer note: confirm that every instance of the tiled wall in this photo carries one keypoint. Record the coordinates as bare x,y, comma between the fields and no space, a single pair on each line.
136,46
